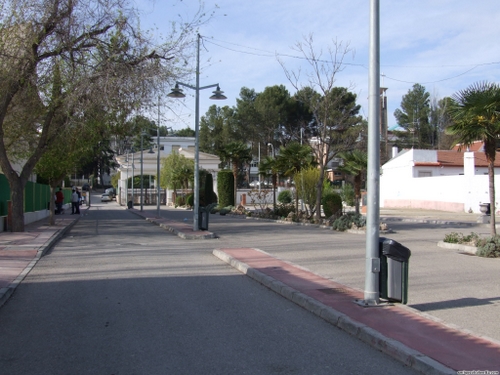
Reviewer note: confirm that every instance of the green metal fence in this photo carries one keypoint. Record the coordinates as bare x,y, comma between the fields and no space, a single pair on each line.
36,196
4,194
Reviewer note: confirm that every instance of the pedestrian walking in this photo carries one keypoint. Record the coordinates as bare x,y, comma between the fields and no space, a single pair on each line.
59,201
79,201
75,203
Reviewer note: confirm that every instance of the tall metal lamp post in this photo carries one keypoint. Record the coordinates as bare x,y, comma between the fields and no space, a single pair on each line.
372,265
158,162
217,95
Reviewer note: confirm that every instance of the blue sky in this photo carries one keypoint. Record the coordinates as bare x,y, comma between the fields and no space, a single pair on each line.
445,45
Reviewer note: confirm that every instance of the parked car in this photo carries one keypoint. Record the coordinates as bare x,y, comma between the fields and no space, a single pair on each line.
105,197
85,187
111,192
263,184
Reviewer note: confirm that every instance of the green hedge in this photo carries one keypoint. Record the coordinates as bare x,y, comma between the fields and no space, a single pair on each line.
225,188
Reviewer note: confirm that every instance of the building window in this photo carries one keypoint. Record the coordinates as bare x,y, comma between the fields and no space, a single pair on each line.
424,174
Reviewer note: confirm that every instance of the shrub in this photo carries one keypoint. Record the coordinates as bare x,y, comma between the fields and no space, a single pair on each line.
347,194
285,196
180,200
284,209
459,238
489,247
225,187
486,247
190,199
346,221
332,203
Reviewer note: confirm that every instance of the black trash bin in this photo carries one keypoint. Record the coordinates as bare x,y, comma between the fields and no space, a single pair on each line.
130,204
393,276
203,218
203,215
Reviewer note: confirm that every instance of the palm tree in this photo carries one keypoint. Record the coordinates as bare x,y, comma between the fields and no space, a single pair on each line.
236,153
355,163
476,115
292,159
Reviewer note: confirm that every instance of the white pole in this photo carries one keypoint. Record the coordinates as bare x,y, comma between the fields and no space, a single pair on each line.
197,139
133,153
126,181
158,163
258,171
371,294
142,170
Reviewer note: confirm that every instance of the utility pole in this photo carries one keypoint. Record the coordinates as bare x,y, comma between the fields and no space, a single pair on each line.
371,294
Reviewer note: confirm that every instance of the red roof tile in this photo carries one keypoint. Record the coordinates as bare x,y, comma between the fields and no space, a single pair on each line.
476,146
453,158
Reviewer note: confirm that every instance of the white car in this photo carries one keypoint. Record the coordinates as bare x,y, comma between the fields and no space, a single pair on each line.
105,197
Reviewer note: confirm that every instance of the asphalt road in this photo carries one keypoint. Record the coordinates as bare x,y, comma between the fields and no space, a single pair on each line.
460,289
118,295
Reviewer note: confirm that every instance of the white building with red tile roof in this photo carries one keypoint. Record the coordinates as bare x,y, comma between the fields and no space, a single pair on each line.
450,180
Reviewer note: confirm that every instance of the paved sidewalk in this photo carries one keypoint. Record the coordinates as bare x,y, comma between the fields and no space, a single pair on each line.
19,252
428,345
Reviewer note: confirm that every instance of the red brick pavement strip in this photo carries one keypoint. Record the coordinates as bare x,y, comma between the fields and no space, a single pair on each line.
20,251
425,344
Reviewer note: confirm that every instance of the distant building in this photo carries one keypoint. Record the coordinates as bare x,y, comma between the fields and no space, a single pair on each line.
436,179
130,165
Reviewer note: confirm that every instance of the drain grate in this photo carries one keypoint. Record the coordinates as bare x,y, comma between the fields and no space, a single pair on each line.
334,290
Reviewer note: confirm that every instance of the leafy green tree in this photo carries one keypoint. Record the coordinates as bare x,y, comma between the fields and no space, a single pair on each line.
57,163
301,121
217,129
338,130
355,163
73,55
307,188
292,159
414,118
247,118
176,172
476,115
236,153
97,160
273,106
337,124
186,132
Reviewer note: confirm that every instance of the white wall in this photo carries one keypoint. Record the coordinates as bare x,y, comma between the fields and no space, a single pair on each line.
458,193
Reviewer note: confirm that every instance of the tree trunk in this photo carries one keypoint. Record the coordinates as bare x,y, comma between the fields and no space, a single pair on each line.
491,178
319,192
357,192
17,196
296,200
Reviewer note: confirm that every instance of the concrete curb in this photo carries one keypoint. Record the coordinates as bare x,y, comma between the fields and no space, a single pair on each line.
6,292
395,349
428,221
206,235
459,247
